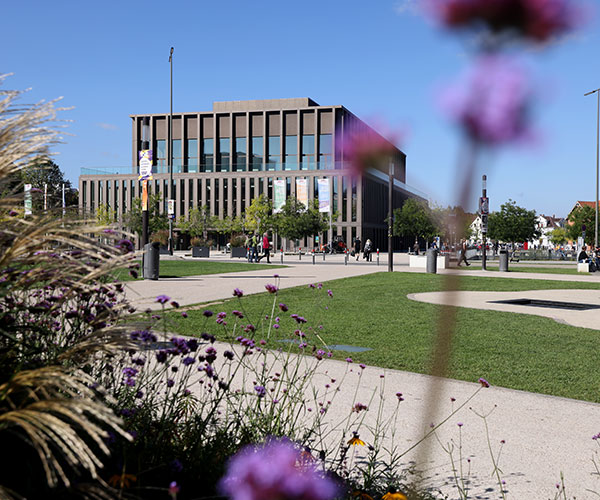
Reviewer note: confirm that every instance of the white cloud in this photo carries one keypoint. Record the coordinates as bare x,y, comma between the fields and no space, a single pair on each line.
407,7
107,126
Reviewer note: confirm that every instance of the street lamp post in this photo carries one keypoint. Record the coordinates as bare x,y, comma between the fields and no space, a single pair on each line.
170,191
390,216
597,91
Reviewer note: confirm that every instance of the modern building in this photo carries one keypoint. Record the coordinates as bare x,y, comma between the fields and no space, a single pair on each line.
226,157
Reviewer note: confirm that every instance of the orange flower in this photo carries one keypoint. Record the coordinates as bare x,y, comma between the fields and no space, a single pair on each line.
394,496
355,440
122,480
361,495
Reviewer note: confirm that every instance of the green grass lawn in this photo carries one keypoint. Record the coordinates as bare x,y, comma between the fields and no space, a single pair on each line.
528,269
179,268
518,351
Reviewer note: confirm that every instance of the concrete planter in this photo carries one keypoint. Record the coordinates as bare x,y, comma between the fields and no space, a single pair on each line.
239,252
200,252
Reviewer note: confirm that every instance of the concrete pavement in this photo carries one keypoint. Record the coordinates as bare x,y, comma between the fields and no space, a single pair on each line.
544,435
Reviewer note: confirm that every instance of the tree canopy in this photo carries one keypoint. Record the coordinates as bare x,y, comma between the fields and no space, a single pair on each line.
513,223
295,221
44,171
258,216
198,223
415,219
156,220
579,217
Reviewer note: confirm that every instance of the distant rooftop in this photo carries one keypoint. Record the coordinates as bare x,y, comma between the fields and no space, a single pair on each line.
264,104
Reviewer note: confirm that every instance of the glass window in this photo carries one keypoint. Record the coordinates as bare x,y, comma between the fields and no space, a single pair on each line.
225,197
181,197
308,152
216,197
354,199
191,194
257,154
274,161
325,152
161,156
84,193
92,196
234,197
291,152
223,165
335,193
177,156
240,155
243,193
199,193
208,155
345,198
207,200
191,161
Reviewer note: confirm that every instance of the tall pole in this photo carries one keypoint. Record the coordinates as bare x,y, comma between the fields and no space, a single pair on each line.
484,214
145,214
170,191
597,161
390,215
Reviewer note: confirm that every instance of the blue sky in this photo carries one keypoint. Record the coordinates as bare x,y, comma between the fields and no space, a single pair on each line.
381,60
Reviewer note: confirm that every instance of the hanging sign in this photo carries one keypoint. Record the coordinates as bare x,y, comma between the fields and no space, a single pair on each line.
145,157
324,195
278,195
302,191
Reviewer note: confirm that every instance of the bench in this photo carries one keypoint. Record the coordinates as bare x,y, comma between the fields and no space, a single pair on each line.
443,261
583,267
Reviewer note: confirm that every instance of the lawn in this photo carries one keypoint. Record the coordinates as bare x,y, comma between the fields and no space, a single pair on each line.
179,268
529,269
518,351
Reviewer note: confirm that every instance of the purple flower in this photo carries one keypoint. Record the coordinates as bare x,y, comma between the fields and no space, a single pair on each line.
161,356
330,293
175,304
184,314
188,361
362,365
283,307
163,299
492,102
399,396
260,391
238,293
170,382
207,313
130,372
237,313
207,336
358,407
349,360
126,246
460,424
272,471
229,355
484,382
538,20
271,288
276,276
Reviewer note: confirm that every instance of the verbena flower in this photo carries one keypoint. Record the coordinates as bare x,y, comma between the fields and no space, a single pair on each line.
163,299
207,313
283,307
537,20
484,382
260,391
238,293
275,470
358,407
271,288
492,102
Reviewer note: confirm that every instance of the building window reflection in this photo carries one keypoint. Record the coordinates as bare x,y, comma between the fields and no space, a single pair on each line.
308,152
208,152
291,152
257,154
192,155
240,155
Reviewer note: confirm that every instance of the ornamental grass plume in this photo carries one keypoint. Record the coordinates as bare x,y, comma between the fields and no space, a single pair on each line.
276,470
57,310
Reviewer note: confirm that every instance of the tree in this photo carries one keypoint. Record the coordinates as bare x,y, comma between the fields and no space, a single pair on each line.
513,223
415,219
44,171
156,220
452,223
295,221
258,215
105,215
558,236
579,217
198,222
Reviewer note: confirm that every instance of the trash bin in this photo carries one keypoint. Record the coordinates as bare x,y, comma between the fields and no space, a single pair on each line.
150,261
432,260
503,262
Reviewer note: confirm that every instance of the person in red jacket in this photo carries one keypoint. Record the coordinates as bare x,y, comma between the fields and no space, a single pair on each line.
266,247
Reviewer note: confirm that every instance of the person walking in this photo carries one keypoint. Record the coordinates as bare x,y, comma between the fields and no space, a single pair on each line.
247,244
367,250
357,248
463,253
266,248
416,247
254,257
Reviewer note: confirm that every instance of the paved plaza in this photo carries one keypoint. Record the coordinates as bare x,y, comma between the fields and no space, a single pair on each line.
545,436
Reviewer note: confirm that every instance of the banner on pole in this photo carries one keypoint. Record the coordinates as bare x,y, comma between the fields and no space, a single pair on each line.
145,157
302,191
324,195
278,195
28,200
144,195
